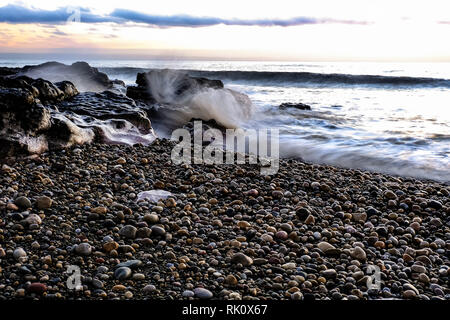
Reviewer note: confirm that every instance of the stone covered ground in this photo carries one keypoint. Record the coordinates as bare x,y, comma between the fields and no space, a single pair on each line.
308,232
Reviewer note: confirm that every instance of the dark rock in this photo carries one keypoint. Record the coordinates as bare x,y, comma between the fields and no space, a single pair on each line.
300,106
108,105
81,74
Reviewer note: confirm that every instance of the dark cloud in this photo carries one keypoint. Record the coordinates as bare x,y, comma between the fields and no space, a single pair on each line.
19,14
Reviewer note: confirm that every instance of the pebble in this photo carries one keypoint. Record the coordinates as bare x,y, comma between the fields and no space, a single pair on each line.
242,259
358,253
84,249
327,248
23,202
44,202
122,273
128,231
19,253
158,231
203,293
38,288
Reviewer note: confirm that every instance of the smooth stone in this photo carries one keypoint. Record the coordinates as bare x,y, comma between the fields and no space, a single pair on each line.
19,253
151,218
128,231
36,287
133,264
188,293
328,249
358,253
149,288
84,249
23,202
203,293
242,259
122,273
33,219
44,202
158,231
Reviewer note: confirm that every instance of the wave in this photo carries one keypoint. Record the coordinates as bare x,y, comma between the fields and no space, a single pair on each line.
298,78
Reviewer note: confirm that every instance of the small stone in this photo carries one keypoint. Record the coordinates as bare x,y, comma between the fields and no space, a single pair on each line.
297,296
242,259
409,294
158,231
99,210
111,245
33,219
138,276
282,235
122,273
329,273
203,293
38,288
121,160
149,288
359,216
328,249
12,206
84,249
418,268
23,202
44,202
188,293
310,219
435,204
151,218
19,253
358,253
170,255
231,280
289,266
133,264
128,231
119,287
128,295
389,194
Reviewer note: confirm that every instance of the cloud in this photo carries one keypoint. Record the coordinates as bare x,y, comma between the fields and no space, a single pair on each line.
19,14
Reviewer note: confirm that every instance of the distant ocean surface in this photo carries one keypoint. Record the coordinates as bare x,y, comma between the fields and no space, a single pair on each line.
387,117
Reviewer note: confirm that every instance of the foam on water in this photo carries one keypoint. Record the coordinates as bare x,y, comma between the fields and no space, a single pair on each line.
227,107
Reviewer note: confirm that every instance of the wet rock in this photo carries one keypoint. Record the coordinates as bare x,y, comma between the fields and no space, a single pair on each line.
81,74
299,106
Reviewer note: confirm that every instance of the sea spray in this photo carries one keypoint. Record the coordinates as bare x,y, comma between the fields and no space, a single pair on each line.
192,101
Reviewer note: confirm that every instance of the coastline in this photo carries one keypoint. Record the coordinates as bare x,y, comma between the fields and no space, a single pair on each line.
308,232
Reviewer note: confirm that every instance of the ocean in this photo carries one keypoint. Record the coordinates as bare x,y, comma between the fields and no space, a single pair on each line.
386,117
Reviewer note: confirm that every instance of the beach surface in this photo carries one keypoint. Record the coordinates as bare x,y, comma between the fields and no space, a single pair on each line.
225,231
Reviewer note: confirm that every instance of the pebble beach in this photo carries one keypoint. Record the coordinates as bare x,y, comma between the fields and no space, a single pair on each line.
226,232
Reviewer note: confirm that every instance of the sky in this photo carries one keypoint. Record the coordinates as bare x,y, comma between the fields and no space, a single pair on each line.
294,30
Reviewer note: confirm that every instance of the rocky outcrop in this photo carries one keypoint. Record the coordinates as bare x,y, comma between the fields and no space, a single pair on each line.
180,83
299,106
81,74
107,105
37,115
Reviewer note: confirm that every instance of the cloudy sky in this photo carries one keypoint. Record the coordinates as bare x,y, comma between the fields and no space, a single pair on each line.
319,30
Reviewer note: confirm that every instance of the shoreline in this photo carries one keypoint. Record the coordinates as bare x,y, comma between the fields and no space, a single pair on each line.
308,232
